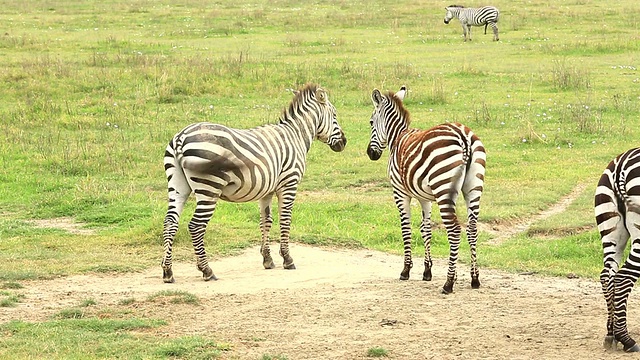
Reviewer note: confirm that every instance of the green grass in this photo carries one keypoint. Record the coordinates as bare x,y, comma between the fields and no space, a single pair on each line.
93,338
377,352
175,297
88,106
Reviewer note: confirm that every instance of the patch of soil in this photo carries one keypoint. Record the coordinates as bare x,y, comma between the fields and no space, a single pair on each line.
340,303
63,223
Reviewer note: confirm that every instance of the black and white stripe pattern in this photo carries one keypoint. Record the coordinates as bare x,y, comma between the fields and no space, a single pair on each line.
617,211
486,15
432,165
216,162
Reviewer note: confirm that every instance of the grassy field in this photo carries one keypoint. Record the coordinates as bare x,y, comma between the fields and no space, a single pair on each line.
92,91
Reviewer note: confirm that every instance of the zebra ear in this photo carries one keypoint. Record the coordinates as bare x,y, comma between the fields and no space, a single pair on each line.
321,95
401,93
376,97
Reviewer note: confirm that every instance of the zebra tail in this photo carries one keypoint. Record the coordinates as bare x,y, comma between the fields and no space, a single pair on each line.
485,28
176,177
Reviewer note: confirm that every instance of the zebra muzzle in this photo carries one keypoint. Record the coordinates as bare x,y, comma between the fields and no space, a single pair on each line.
373,154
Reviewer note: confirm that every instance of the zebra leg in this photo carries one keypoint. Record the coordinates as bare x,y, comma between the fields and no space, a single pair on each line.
625,279
464,31
205,206
403,203
266,220
615,236
472,238
623,283
606,279
468,33
447,205
285,206
178,193
425,231
494,26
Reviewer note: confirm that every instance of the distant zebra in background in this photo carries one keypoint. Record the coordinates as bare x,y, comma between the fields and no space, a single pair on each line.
617,212
216,162
429,165
486,15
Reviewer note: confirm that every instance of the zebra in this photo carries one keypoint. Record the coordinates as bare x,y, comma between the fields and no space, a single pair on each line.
486,15
431,166
240,165
617,213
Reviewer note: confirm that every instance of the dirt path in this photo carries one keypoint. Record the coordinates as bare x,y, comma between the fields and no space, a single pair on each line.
340,303
505,232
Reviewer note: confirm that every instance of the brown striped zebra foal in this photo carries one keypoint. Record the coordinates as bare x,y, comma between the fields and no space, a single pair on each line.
238,165
432,165
617,211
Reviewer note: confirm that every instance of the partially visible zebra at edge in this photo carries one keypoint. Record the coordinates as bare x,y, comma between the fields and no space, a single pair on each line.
240,165
486,15
617,212
432,165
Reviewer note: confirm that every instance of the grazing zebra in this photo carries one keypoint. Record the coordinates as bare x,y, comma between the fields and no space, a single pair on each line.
432,165
617,212
486,15
216,162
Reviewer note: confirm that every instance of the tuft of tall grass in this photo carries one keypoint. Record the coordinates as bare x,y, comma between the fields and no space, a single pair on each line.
569,77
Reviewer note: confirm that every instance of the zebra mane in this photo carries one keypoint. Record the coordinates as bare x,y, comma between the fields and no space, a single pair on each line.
299,96
402,111
456,6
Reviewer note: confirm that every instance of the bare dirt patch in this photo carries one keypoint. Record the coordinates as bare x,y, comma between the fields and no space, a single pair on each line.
340,303
66,224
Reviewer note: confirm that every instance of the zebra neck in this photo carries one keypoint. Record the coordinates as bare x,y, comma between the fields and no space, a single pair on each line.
302,128
396,133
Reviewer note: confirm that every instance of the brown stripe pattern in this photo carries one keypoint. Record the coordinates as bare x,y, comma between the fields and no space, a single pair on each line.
239,165
617,212
432,165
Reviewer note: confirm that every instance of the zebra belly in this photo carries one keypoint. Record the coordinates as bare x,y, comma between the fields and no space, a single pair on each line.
252,188
416,191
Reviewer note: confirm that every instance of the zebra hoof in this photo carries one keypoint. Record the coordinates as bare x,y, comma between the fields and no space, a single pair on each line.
268,264
210,277
288,262
167,276
404,275
426,276
610,343
634,348
447,288
207,274
475,283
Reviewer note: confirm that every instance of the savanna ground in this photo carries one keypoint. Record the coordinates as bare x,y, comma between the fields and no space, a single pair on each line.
340,303
93,90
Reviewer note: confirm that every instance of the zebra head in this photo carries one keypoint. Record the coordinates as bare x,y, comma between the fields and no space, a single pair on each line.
388,118
452,11
329,131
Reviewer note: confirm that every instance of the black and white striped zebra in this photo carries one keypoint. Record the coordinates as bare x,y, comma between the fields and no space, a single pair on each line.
486,15
216,162
617,212
432,165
